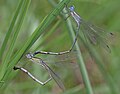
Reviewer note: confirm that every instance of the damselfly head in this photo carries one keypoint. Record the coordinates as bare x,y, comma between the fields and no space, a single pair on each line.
29,55
71,8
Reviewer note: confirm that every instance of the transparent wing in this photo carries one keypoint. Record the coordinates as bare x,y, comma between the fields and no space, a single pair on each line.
51,72
55,77
95,34
64,58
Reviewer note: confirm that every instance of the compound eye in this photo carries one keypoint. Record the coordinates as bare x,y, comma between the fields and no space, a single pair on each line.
71,8
29,55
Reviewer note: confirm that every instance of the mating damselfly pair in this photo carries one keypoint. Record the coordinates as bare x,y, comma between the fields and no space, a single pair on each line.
93,33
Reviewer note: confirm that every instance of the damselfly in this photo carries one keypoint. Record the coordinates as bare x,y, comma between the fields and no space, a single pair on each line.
93,33
52,74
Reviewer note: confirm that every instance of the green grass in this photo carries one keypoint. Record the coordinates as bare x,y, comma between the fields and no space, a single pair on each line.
38,25
14,35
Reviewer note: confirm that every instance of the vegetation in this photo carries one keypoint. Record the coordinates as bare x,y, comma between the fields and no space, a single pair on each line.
32,25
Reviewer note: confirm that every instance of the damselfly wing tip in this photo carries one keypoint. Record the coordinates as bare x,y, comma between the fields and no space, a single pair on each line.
108,49
111,33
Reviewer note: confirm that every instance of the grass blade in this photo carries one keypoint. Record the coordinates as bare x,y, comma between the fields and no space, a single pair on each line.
15,34
10,29
31,40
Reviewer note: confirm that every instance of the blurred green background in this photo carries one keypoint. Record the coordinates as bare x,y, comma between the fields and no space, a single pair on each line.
56,38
